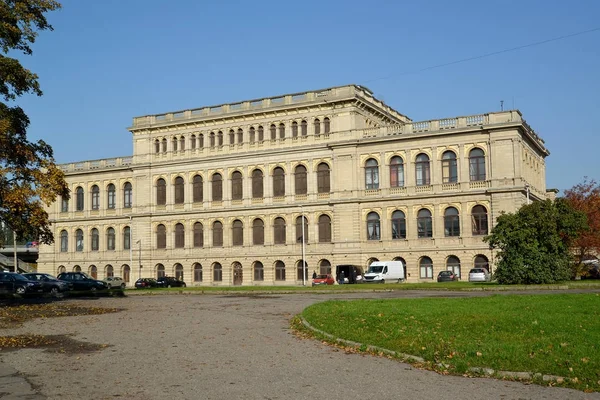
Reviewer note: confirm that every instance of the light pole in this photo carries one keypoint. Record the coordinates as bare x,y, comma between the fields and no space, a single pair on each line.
130,243
139,242
303,251
15,262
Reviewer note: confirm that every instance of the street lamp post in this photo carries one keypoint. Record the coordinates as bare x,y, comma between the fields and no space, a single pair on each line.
139,242
303,251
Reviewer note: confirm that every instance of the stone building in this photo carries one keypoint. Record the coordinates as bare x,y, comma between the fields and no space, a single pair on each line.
242,193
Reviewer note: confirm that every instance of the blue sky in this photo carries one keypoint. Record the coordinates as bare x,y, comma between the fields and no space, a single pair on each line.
108,61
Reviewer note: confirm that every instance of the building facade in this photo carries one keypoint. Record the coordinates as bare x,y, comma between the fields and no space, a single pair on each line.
243,193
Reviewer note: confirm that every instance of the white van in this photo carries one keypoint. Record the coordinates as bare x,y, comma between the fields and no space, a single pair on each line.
385,271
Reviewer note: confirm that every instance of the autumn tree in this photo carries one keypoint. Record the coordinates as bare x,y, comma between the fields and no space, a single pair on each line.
535,242
585,197
29,177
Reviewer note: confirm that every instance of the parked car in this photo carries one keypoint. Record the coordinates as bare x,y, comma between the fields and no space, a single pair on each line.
323,280
479,275
447,276
169,281
50,284
12,284
114,282
146,283
82,282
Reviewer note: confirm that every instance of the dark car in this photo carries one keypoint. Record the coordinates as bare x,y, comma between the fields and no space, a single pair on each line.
146,283
169,281
49,283
82,282
12,284
447,276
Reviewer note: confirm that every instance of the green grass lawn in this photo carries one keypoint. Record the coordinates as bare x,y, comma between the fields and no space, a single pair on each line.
556,334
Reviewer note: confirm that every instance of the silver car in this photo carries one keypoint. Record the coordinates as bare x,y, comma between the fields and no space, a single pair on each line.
114,282
479,275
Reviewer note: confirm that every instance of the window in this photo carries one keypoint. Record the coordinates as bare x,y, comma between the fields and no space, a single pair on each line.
179,271
126,238
160,270
95,239
424,224
261,133
371,174
279,271
198,190
300,179
324,267
299,235
126,273
257,184
217,187
161,192
396,172
193,142
238,233
323,178
198,235
279,230
182,143
453,264
110,272
317,127
252,135
294,129
304,128
258,231
164,145
179,236
273,130
231,136
179,190
217,272
220,139
240,136
426,268
449,167
174,142
93,271
197,272
110,239
326,125
479,220
157,146
217,234
398,225
481,261
423,170
373,227
127,195
259,271
79,198
324,229
281,131
201,141
78,240
161,237
451,222
211,140
64,204
476,165
278,182
96,197
236,185
111,197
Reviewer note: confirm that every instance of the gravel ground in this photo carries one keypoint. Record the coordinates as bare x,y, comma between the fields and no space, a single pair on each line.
229,347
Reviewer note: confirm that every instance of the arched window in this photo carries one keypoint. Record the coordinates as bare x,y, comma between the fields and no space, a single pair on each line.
257,184
278,182
217,187
161,237
182,143
294,129
179,236
197,272
79,198
373,227
64,241
261,133
259,271
326,125
96,197
273,130
258,231
481,261
324,267
425,268
300,270
279,230
217,272
174,142
77,268
252,135
61,269
127,195
110,239
198,235
198,189
201,141
396,172
317,127
157,146
78,240
303,128
211,138
449,167
164,145
236,186
238,233
324,228
240,136
64,205
279,271
371,174
453,264
161,192
126,238
451,222
126,273
299,235
111,196
281,130
231,136
93,271
109,271
323,178
179,271
398,225
160,270
479,220
300,186
476,165
422,169
179,190
220,139
217,234
424,223
95,239
193,142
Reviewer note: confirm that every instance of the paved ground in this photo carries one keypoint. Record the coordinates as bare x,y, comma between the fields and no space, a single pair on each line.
224,347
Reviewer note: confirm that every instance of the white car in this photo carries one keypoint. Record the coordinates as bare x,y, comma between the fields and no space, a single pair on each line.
114,282
479,275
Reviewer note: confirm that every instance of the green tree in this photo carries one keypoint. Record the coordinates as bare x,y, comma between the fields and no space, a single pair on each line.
535,242
29,177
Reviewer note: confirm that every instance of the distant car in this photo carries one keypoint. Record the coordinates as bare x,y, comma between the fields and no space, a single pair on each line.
323,280
50,284
447,276
82,282
114,282
146,283
169,281
12,283
479,275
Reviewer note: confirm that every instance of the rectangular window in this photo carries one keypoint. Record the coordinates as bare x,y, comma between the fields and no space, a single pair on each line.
64,205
